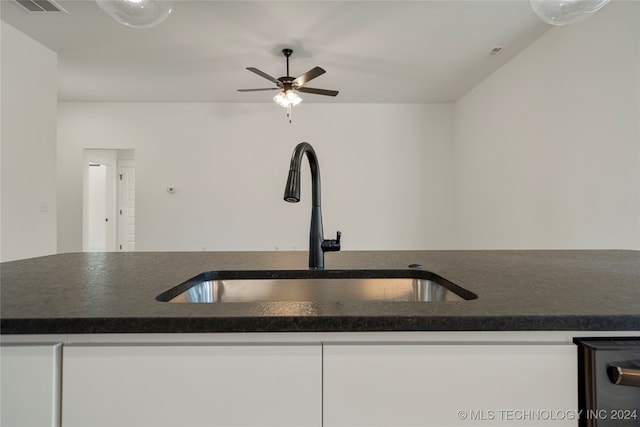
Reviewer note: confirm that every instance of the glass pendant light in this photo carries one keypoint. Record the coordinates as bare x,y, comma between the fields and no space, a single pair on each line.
137,13
562,12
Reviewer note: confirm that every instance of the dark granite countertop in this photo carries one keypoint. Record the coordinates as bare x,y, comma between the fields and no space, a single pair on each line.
517,291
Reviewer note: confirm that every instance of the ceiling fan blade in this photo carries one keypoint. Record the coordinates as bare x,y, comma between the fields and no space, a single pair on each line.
318,91
254,90
263,74
309,75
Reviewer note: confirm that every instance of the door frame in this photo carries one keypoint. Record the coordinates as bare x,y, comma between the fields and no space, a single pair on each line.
121,223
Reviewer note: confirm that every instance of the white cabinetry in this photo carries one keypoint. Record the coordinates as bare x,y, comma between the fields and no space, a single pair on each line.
312,379
192,385
30,385
449,384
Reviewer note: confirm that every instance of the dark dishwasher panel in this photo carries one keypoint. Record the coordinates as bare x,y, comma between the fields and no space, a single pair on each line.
609,387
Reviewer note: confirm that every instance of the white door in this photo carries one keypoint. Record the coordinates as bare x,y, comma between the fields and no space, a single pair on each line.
97,210
99,200
30,386
127,205
192,385
450,385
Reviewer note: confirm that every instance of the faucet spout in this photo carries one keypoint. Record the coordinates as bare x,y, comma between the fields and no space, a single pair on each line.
317,244
292,190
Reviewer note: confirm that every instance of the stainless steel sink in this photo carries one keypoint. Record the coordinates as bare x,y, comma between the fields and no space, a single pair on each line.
315,285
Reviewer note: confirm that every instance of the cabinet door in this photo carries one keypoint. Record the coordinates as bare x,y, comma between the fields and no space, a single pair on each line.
192,385
30,385
449,385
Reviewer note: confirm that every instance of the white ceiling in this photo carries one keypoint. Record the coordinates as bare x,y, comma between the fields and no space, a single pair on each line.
374,52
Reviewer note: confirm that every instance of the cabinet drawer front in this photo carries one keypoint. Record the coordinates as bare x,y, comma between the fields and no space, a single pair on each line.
427,385
192,385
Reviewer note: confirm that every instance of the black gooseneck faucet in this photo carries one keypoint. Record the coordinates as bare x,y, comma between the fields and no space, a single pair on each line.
317,243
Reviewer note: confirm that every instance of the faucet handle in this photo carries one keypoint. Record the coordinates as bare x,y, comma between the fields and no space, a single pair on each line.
332,245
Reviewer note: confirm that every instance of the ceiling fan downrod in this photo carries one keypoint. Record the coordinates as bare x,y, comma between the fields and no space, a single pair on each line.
287,53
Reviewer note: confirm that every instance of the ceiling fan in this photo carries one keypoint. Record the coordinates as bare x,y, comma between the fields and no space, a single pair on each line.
288,85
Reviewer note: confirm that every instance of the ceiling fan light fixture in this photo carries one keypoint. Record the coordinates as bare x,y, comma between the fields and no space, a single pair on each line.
287,99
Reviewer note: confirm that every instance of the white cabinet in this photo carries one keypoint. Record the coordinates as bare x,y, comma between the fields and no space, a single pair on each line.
449,384
192,385
30,385
316,379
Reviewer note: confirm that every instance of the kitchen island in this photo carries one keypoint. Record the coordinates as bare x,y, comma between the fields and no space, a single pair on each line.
517,291
88,328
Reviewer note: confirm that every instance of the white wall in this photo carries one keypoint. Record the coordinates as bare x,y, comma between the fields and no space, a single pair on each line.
386,173
29,113
547,149
546,155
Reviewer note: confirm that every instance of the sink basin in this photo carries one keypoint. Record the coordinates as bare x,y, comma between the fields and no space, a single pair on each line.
315,286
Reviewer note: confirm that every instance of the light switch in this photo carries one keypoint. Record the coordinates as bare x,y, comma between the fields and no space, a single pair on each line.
171,190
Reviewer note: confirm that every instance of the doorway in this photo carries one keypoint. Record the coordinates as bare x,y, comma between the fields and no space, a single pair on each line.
108,200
